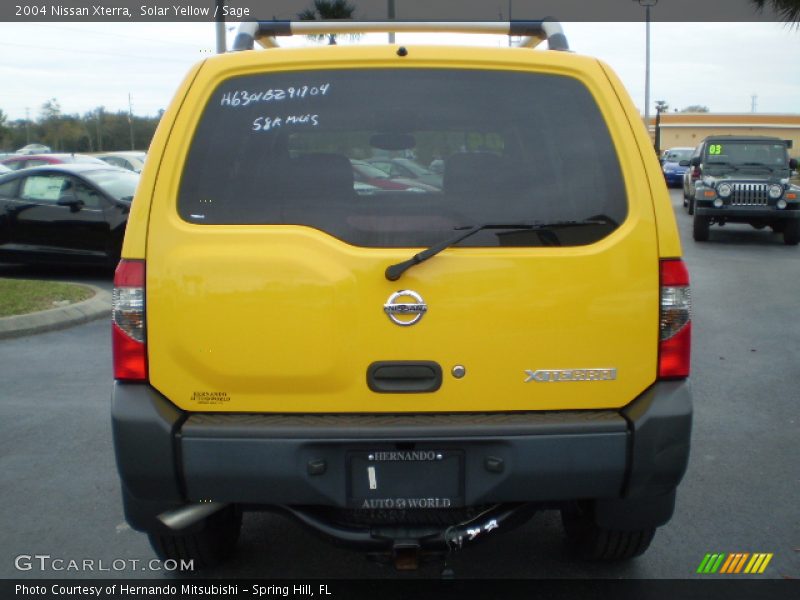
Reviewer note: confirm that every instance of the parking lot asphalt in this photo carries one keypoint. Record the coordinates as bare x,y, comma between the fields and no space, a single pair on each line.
60,493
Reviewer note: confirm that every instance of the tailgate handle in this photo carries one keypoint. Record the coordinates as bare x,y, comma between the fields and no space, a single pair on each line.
404,376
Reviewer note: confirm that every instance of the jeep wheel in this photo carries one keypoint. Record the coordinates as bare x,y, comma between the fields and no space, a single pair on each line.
791,232
207,547
593,542
700,228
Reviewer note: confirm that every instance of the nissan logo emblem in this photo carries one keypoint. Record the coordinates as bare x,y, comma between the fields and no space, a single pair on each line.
405,307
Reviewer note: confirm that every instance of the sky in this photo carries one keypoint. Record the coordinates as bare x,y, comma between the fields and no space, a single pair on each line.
86,65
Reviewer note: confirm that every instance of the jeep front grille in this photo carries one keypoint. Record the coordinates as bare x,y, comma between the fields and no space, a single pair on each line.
749,194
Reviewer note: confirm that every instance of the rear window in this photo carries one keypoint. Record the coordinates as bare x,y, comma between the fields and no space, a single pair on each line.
517,148
118,184
679,154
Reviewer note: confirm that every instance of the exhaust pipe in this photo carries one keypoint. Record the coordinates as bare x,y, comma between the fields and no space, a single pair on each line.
186,516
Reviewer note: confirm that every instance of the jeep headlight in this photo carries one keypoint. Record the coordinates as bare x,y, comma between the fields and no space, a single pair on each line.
775,191
724,190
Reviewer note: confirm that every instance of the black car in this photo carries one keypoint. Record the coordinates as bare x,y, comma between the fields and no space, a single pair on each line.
72,213
744,179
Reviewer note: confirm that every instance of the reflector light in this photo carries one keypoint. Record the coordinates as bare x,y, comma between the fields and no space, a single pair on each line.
128,321
675,331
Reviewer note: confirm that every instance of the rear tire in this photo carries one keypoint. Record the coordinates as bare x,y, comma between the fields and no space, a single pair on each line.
700,228
690,206
791,232
593,542
209,546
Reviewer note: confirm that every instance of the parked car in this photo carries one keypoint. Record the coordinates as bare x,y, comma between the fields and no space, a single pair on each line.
36,160
132,161
406,168
281,342
743,179
671,167
34,149
690,177
72,213
365,172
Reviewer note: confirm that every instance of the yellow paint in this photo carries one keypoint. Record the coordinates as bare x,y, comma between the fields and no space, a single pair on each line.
287,318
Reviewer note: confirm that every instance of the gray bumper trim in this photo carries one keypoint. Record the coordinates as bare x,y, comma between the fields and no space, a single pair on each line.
167,457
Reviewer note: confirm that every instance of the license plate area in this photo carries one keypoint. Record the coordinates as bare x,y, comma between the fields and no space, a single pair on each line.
405,479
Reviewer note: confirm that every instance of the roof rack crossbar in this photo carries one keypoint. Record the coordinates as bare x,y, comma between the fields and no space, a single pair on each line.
532,32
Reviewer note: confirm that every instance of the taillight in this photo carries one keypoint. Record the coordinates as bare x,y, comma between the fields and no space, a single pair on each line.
127,322
675,323
696,173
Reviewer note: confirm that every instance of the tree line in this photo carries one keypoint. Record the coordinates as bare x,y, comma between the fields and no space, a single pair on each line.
95,131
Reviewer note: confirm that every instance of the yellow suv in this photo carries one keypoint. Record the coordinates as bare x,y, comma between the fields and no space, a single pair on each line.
412,367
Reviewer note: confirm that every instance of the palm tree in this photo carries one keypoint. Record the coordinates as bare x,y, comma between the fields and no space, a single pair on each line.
325,10
788,10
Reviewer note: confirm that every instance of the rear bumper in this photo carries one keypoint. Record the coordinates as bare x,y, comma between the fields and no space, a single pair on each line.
673,179
167,458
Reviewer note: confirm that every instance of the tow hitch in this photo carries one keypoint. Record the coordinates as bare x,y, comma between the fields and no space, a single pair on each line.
406,545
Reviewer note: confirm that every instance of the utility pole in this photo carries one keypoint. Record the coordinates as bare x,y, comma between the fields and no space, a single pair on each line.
753,103
98,113
130,119
647,5
27,125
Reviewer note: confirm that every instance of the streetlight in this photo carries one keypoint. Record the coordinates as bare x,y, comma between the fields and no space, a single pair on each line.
647,4
390,15
220,26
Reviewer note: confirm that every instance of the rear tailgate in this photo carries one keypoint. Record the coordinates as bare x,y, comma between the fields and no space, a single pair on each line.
288,317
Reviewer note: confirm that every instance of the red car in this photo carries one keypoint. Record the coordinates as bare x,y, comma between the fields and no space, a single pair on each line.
364,172
23,161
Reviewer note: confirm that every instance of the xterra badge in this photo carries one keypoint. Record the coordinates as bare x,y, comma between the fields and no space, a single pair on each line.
557,375
401,311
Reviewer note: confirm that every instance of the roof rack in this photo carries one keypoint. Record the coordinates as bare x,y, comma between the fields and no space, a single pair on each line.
532,32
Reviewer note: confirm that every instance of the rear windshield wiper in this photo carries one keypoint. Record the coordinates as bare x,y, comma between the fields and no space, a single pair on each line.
393,272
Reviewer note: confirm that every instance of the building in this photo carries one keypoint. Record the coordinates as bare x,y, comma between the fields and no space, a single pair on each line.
689,129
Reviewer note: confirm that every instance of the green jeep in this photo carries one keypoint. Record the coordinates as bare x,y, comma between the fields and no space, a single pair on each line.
745,180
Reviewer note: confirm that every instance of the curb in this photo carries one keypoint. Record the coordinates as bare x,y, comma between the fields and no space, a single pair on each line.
96,307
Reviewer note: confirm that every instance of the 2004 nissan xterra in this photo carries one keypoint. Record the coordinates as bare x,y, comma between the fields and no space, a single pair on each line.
404,369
